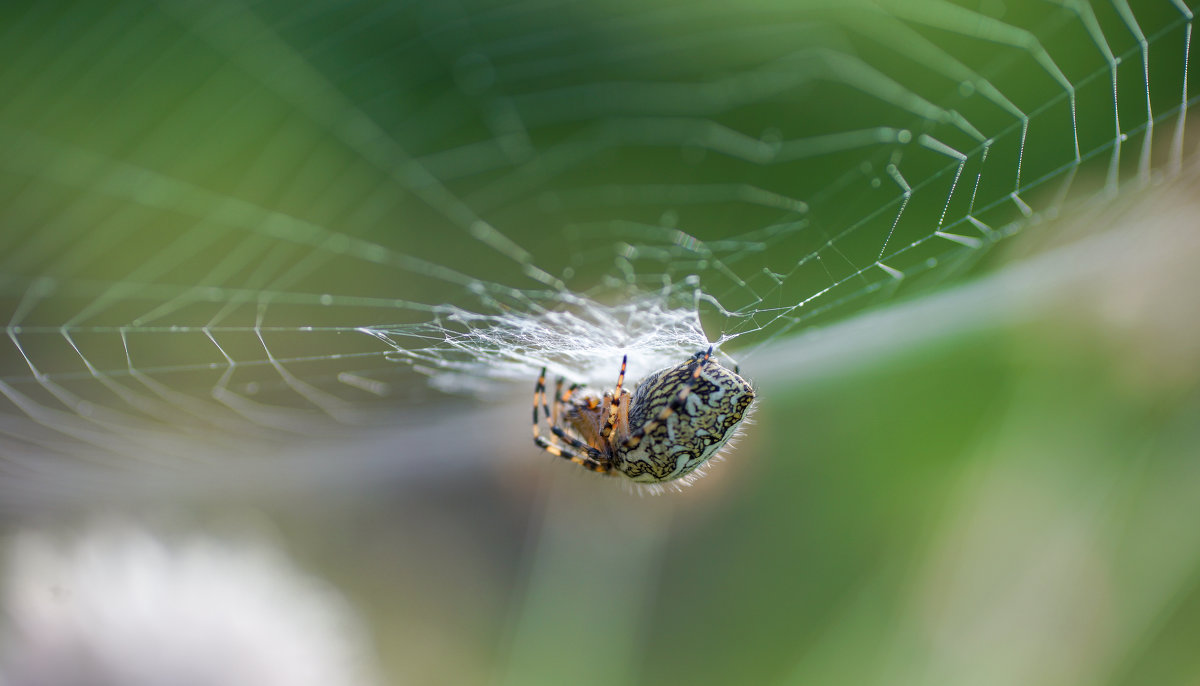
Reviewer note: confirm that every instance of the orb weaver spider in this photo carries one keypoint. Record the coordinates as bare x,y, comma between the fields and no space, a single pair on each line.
675,420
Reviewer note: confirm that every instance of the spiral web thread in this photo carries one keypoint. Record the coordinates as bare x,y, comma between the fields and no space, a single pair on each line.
228,221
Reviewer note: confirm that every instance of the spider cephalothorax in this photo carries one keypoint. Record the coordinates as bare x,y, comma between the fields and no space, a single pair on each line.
675,420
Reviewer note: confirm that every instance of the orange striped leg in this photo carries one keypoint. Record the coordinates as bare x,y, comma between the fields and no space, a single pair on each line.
565,398
614,401
594,460
561,399
551,417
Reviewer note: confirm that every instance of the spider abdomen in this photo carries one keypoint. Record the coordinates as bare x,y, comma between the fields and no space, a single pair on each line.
705,421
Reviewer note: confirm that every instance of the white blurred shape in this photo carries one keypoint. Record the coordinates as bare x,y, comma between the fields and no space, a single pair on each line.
120,606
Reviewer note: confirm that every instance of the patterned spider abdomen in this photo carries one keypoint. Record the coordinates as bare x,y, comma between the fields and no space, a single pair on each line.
711,411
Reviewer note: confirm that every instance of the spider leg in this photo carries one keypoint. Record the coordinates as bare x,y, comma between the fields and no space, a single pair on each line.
540,393
613,402
537,392
562,398
672,407
594,459
566,397
558,400
567,454
593,455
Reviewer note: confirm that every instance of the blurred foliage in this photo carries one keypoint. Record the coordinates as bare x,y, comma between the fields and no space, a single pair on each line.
999,508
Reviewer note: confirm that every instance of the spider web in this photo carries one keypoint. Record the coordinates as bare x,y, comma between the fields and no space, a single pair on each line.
228,223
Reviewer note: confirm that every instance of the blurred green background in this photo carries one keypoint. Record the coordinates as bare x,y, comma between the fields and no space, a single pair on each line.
203,205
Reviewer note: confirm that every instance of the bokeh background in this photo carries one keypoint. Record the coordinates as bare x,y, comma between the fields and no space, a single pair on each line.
277,279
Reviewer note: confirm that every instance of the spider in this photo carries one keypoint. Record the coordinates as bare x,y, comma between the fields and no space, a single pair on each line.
675,420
